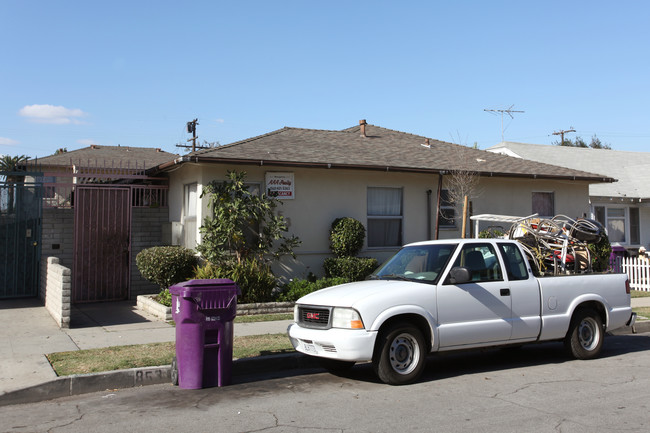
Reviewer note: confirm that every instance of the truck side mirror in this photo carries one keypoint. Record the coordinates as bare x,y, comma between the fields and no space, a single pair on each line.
459,275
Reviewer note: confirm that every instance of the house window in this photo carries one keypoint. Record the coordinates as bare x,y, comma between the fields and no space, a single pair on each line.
384,217
544,204
447,210
189,215
189,202
617,221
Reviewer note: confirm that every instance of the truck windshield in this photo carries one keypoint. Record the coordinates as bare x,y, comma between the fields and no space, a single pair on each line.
420,263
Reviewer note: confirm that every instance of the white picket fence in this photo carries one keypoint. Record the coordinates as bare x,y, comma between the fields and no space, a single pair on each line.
637,270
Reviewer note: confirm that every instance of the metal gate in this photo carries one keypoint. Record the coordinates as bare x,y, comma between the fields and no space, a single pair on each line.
102,244
20,236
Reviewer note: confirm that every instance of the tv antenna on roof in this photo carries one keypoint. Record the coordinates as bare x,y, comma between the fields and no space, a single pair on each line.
508,111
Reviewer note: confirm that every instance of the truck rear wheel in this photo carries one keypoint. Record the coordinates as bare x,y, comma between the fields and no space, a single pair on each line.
585,337
400,355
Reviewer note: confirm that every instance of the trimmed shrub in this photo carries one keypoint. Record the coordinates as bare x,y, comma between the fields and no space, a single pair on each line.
346,237
296,289
350,268
166,266
255,279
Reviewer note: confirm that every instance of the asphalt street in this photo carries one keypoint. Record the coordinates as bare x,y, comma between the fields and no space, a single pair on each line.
532,389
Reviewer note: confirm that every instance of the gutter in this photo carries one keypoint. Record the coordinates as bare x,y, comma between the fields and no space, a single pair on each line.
324,165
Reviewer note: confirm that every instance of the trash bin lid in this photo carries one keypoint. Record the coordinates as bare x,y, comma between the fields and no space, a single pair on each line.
221,288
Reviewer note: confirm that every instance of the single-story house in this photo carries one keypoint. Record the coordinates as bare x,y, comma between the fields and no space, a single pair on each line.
623,207
393,182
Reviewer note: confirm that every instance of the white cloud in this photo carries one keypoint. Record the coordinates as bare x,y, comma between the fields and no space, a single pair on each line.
55,114
219,120
7,141
86,142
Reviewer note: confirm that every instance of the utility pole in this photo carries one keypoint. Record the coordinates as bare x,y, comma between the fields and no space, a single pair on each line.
509,112
561,134
191,129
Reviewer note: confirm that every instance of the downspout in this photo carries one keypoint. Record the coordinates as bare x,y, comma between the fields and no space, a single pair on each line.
429,214
438,205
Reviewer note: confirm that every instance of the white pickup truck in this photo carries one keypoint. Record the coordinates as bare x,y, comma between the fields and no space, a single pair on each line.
448,295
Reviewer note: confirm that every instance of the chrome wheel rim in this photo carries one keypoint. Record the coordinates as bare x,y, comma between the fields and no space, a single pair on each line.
404,353
588,333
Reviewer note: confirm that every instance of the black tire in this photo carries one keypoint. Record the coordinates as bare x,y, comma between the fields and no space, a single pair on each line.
585,337
336,366
174,372
400,355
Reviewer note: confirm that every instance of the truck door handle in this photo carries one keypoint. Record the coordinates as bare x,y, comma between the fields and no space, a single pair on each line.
505,292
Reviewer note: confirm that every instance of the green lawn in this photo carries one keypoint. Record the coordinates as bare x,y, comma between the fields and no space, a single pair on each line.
149,355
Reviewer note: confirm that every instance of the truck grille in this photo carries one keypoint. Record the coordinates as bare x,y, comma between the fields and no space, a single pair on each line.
314,317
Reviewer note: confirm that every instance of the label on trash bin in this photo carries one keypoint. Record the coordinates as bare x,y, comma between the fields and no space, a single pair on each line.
178,305
212,318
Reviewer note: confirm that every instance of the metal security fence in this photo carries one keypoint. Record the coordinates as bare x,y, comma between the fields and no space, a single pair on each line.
20,236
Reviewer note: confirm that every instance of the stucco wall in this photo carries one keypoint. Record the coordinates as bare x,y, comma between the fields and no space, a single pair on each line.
503,196
322,195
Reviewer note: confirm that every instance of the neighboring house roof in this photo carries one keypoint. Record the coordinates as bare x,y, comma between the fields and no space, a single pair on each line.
379,149
141,158
632,169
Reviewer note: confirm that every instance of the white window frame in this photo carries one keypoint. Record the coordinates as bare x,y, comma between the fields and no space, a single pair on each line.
190,202
626,219
393,217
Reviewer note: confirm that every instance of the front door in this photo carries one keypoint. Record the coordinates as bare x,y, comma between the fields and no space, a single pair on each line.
479,311
101,244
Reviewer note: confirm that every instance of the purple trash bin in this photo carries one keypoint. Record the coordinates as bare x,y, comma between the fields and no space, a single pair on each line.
204,311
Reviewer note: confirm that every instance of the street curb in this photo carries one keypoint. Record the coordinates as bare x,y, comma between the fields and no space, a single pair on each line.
135,377
639,328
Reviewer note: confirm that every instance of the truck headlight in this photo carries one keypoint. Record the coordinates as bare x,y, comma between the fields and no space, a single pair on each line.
346,318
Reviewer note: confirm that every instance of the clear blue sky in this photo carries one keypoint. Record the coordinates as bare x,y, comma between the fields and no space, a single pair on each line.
133,73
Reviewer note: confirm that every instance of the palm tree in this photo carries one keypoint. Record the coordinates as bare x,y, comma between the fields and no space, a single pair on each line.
9,165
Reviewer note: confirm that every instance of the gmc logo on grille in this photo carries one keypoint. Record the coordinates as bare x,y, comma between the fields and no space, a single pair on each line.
313,316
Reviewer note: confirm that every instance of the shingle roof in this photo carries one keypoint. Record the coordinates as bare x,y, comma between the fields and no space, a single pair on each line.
381,149
632,169
97,155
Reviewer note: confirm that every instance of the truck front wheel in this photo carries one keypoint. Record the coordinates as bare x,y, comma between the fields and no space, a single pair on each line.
400,355
585,337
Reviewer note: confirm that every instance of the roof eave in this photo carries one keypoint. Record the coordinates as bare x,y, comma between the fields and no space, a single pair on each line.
279,163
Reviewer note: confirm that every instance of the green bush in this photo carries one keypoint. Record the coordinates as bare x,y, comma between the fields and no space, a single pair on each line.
296,289
255,279
491,233
350,268
164,298
600,253
346,237
166,266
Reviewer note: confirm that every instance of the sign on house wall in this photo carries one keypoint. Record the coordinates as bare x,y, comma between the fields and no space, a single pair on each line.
280,185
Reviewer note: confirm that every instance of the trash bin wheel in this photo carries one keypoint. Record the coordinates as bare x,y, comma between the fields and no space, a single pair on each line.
174,372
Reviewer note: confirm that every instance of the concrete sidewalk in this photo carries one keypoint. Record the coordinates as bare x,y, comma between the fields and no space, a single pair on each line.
28,332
